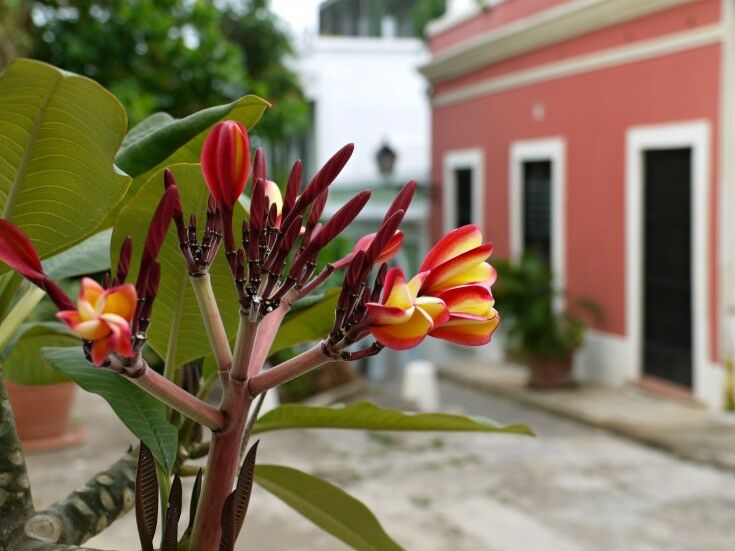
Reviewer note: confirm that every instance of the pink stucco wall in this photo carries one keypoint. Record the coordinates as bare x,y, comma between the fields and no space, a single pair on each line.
592,111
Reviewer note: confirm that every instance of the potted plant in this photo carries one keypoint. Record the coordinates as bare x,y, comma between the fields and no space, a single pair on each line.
540,334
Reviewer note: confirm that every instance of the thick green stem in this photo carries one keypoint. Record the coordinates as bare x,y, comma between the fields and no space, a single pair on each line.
213,324
19,313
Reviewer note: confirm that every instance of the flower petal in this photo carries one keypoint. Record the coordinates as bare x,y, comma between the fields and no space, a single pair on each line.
17,251
404,335
435,309
90,291
476,300
121,300
379,314
414,285
483,274
455,267
119,339
99,352
90,330
452,245
467,332
397,293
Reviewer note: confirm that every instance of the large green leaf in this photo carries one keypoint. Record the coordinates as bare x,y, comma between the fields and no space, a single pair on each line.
330,508
22,361
139,411
91,256
367,416
58,135
159,136
309,323
176,311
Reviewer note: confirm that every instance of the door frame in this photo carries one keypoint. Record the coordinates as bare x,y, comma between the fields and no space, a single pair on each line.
474,159
639,139
551,149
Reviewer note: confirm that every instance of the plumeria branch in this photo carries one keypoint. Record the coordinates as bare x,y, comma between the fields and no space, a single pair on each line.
215,328
168,392
288,370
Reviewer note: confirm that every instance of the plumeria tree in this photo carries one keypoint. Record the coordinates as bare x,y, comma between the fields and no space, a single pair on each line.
252,269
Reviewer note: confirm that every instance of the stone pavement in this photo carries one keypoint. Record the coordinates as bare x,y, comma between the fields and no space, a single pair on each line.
573,487
678,427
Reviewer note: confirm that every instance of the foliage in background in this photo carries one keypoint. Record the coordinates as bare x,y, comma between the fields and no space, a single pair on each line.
535,328
165,55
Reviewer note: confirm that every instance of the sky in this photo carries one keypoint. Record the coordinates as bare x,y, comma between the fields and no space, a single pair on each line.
300,15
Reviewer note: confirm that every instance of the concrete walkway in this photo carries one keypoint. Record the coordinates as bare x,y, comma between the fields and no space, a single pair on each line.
681,428
573,487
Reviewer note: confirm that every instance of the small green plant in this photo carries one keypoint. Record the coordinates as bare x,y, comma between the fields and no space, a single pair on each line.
535,327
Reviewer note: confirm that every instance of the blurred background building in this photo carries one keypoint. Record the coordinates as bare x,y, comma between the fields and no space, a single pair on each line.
599,135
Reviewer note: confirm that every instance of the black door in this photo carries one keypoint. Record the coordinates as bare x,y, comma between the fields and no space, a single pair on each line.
667,294
537,209
463,214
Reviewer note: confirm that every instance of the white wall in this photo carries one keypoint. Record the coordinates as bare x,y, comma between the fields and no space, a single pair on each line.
368,90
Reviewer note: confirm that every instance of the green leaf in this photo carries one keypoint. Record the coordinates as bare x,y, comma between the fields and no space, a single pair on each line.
175,311
22,360
309,323
330,508
367,416
160,136
139,411
58,135
91,256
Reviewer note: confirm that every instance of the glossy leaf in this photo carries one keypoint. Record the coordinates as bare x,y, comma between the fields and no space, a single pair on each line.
367,416
306,324
91,256
58,135
327,506
22,361
159,136
139,411
175,310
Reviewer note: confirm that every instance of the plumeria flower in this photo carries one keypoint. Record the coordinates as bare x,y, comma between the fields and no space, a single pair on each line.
460,276
103,317
403,319
459,258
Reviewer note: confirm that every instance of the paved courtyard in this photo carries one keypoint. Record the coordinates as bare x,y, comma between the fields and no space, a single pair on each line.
571,488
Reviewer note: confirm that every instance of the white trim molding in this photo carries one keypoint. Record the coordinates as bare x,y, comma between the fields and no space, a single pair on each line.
697,136
546,149
561,22
474,159
602,59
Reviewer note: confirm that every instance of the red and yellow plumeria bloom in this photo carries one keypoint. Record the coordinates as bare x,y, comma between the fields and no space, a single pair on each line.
461,277
403,319
103,317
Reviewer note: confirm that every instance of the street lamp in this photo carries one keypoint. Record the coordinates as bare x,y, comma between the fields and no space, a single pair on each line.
386,159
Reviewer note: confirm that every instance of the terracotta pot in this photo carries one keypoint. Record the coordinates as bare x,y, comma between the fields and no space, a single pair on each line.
549,373
42,414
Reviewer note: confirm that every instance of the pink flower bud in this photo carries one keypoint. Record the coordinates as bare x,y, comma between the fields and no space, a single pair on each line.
226,162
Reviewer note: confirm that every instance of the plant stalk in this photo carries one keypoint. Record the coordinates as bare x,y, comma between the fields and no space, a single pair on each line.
245,343
221,469
213,324
19,313
288,370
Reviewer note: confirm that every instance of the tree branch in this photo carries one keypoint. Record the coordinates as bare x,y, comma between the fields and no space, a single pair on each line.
15,492
213,324
86,511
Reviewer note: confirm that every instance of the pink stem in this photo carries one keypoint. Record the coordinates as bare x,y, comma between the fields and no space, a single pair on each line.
221,470
317,281
266,333
288,370
173,395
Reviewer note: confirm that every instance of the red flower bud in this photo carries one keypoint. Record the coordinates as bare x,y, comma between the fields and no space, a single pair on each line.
226,161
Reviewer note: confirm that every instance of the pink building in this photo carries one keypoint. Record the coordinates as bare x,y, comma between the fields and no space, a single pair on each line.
601,134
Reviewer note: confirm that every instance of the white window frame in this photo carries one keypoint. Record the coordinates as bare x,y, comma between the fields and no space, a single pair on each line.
474,159
547,149
639,139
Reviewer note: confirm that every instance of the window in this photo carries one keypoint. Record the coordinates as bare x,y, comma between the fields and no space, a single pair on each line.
463,188
537,209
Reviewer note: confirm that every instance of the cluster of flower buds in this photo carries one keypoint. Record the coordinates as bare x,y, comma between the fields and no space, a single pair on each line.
280,227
